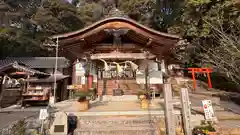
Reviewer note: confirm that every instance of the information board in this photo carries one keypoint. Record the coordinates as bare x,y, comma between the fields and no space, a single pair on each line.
43,114
208,109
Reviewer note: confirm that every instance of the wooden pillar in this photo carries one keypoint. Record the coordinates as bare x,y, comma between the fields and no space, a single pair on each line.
65,90
74,77
146,77
194,80
163,66
3,84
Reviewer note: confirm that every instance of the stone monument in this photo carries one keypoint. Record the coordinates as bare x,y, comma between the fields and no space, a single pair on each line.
60,124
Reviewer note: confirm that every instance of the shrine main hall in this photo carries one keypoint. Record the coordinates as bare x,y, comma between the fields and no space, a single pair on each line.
118,53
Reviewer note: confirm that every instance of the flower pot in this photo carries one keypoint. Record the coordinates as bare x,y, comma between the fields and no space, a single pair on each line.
144,104
83,105
212,133
141,97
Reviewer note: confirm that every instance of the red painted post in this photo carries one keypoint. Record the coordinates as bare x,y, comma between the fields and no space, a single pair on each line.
209,78
90,81
193,77
194,80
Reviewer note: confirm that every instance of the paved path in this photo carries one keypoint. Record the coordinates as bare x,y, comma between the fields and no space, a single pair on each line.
14,113
10,117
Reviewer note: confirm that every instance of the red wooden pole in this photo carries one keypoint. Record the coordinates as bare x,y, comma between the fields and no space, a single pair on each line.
194,79
209,78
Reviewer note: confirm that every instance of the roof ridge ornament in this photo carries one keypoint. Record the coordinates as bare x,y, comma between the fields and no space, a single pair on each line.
115,12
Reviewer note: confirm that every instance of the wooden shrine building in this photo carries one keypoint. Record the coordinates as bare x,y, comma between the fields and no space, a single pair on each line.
111,44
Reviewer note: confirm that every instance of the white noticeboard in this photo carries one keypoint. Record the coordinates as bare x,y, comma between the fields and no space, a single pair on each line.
95,78
83,80
208,109
80,71
43,114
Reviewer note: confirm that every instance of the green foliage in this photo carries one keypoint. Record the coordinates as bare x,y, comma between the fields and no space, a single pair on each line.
90,12
56,17
19,128
81,94
37,23
204,128
139,10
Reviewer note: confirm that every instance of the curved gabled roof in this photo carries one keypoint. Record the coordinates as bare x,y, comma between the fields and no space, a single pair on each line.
112,22
75,43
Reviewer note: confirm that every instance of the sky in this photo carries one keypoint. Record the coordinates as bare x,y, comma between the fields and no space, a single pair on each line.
70,1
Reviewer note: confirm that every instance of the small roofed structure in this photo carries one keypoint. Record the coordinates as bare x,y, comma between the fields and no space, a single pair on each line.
49,79
20,67
37,62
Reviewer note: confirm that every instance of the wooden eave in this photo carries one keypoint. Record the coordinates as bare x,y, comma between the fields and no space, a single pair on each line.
155,41
115,22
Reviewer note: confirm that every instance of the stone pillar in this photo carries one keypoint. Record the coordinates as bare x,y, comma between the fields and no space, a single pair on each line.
169,110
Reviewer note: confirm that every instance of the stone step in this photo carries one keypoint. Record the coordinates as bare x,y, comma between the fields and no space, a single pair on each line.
116,129
130,131
118,125
115,123
118,121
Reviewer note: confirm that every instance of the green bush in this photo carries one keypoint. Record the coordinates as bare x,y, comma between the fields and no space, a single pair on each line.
81,95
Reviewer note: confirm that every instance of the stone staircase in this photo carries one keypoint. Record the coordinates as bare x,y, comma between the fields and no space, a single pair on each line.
118,125
129,87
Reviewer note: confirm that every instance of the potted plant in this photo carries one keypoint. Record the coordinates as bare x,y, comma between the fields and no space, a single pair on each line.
210,130
144,101
204,129
198,131
82,100
93,93
141,94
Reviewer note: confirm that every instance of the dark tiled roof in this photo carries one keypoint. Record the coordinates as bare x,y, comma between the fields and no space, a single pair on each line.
21,68
48,79
37,62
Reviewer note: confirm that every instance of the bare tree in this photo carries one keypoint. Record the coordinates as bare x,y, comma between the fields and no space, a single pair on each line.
223,54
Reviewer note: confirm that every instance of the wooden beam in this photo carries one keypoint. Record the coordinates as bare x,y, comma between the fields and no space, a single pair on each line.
119,55
67,54
127,46
149,42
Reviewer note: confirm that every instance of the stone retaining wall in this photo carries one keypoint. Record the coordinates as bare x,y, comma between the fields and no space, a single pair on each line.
10,97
